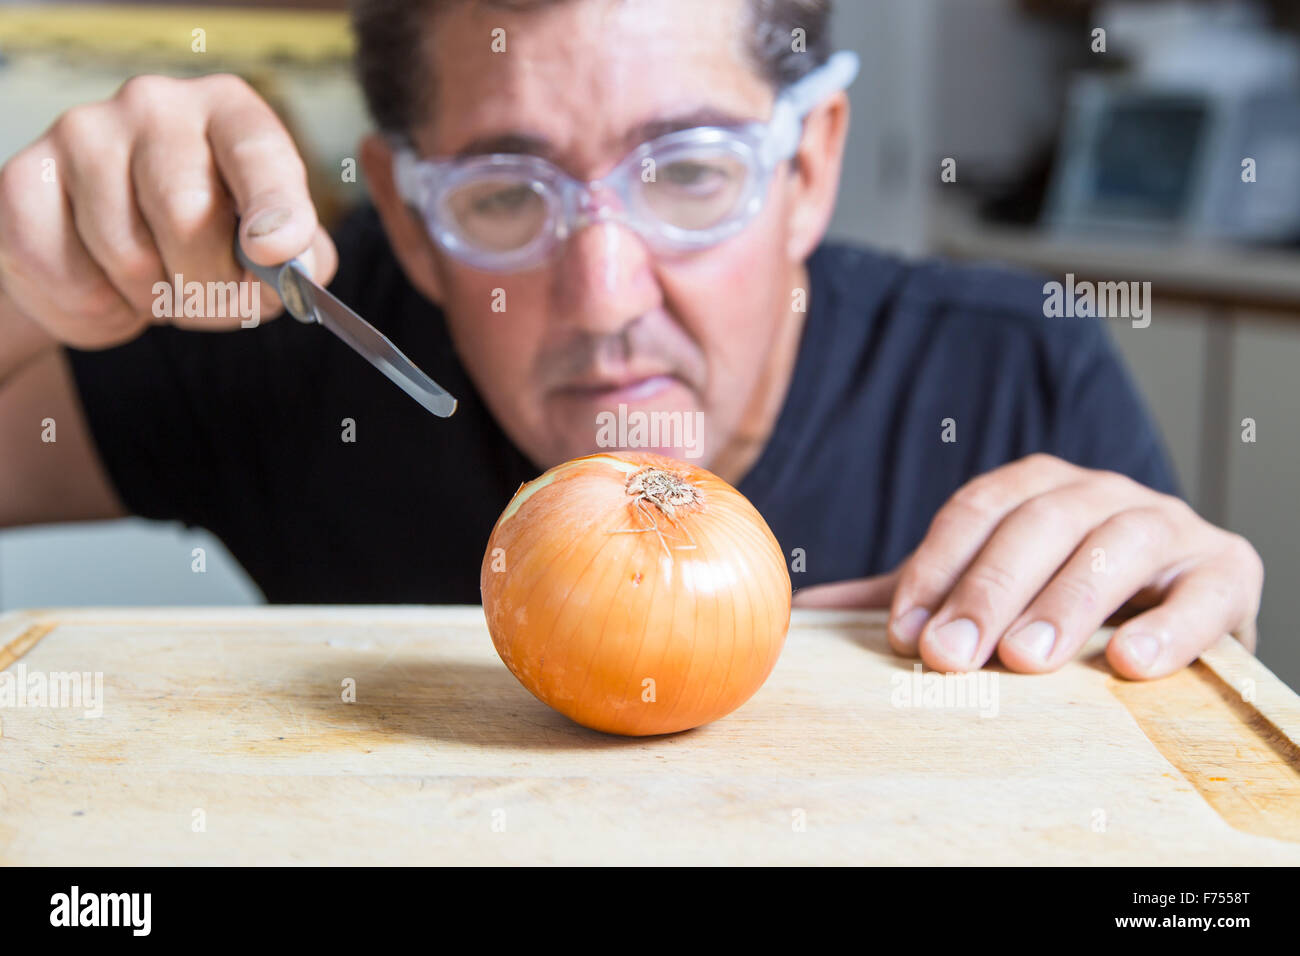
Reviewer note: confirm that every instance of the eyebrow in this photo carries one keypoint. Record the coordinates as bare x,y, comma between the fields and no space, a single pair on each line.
519,142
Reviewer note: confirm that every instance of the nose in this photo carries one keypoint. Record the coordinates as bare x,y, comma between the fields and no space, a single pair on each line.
604,278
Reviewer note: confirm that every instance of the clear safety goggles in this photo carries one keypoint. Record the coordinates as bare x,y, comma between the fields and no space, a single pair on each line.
504,212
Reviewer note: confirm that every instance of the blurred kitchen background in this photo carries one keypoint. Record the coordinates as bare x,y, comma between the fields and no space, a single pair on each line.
1115,155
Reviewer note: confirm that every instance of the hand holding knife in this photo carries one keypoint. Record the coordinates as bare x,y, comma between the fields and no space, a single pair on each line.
307,302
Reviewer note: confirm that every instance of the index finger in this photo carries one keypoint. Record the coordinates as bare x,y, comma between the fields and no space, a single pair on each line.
958,532
263,170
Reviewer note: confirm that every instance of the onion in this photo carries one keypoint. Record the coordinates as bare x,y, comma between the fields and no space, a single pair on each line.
635,594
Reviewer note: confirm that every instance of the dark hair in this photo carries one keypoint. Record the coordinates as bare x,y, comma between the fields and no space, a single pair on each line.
396,80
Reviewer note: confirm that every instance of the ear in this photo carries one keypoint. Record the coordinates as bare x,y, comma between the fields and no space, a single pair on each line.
406,231
815,175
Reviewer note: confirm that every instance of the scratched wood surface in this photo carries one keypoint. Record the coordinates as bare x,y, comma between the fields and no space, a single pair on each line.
224,738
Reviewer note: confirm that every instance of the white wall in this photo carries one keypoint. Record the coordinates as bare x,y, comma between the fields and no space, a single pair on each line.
118,563
885,193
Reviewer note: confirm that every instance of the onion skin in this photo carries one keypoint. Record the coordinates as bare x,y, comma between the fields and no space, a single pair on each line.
624,631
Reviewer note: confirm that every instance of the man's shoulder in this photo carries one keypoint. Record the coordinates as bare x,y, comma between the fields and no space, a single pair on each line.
975,290
936,296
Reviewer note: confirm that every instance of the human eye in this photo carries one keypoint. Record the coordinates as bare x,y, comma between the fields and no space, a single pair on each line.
695,177
505,200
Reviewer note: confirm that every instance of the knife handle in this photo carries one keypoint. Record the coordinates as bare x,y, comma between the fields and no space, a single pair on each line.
283,279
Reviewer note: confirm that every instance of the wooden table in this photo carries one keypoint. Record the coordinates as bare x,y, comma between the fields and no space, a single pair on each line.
225,738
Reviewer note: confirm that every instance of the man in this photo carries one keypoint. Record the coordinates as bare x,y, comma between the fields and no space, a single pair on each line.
917,435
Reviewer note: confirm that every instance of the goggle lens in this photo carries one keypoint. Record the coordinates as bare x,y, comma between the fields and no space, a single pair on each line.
692,190
499,212
696,192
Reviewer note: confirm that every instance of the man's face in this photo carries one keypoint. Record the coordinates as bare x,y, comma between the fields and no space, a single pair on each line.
606,322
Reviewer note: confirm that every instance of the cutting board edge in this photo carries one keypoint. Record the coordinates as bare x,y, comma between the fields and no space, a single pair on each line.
1274,700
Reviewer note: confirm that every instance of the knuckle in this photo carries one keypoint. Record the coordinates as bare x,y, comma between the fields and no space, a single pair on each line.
1077,593
1177,508
926,579
145,92
97,302
15,181
1115,485
1041,463
267,148
1243,555
187,208
17,266
1141,528
77,124
1041,459
1222,594
226,84
989,583
981,498
1045,512
133,265
950,520
17,236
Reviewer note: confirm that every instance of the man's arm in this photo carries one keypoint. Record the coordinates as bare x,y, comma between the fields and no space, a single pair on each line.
114,199
62,479
44,480
1028,560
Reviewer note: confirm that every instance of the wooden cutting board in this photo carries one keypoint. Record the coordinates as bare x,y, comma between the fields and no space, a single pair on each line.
225,738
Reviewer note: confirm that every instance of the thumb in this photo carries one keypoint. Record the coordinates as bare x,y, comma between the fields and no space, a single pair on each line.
858,592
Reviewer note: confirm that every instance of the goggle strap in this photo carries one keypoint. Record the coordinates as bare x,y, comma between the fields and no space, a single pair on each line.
802,96
839,70
406,175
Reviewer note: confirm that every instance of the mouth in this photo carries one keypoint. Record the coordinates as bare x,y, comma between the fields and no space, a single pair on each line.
632,389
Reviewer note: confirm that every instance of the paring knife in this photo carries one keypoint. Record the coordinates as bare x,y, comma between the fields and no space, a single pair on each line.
308,302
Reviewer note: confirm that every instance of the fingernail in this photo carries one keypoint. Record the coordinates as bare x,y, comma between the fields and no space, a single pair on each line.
1034,640
957,639
1142,648
267,221
908,626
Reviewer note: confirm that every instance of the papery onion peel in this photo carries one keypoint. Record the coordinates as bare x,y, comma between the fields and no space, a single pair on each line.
636,594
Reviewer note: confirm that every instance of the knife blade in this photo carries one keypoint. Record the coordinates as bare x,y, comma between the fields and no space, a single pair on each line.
307,302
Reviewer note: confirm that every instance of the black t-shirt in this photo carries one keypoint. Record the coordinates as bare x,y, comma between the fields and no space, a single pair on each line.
242,432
